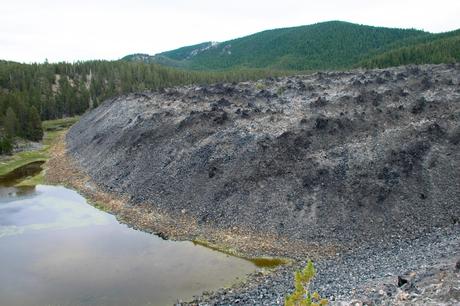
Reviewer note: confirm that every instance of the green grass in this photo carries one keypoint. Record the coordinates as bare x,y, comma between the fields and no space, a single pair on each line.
100,206
21,159
33,181
53,128
59,124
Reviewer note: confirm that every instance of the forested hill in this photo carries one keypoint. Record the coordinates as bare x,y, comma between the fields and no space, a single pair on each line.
432,49
326,45
173,57
30,93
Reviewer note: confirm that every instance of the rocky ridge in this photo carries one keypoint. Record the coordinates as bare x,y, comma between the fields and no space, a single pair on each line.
333,157
362,162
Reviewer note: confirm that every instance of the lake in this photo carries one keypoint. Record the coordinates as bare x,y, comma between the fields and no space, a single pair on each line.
56,249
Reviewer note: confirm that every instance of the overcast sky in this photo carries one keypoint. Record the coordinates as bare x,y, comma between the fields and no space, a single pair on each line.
65,30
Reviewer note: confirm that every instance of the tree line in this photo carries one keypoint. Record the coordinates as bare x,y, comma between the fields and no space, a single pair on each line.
30,93
445,50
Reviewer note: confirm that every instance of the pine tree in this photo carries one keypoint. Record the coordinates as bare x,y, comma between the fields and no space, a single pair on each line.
34,130
6,146
10,122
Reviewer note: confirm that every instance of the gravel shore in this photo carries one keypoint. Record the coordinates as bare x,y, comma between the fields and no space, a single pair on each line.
367,275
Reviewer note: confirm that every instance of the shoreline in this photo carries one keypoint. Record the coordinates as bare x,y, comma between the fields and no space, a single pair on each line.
274,258
343,274
62,169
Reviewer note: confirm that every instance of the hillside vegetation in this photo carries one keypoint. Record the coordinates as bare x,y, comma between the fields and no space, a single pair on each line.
327,45
30,93
434,51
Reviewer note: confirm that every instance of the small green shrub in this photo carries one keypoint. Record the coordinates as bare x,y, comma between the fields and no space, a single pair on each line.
6,145
281,90
301,295
260,86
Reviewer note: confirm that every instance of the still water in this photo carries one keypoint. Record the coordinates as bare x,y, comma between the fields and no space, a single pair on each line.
55,249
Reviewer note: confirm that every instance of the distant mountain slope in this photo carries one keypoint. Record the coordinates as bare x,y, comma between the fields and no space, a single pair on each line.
138,57
171,58
326,45
435,49
188,52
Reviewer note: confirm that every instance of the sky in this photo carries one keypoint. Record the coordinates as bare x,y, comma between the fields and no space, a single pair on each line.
64,30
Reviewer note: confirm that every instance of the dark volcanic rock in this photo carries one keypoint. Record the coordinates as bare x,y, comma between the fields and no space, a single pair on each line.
329,159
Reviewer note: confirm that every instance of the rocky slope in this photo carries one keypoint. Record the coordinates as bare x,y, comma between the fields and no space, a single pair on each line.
422,271
365,160
339,156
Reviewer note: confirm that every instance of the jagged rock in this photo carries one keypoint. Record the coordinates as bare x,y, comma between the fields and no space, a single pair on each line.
379,159
402,281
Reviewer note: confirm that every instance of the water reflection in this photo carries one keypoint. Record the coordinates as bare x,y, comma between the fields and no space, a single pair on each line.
55,249
21,173
46,208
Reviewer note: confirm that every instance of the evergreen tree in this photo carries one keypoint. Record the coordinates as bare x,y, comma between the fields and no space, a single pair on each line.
6,145
10,122
34,130
33,92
